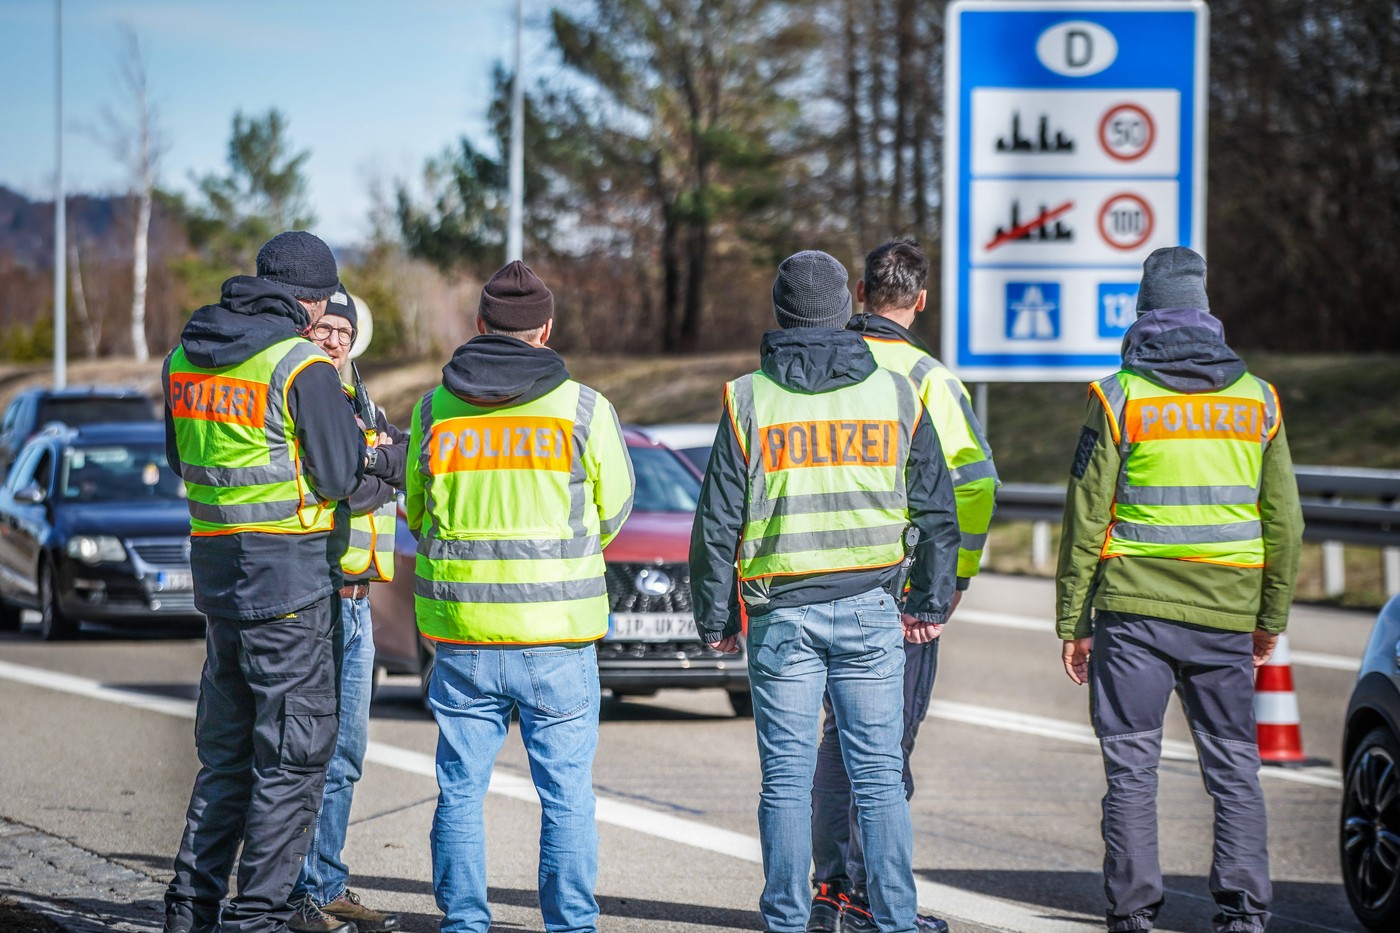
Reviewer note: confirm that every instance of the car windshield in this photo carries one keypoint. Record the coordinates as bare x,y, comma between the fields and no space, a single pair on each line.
76,412
119,473
663,482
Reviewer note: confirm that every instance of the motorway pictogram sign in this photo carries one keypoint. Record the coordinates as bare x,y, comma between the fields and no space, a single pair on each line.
1075,146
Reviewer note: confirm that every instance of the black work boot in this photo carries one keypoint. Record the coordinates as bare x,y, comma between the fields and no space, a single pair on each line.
826,909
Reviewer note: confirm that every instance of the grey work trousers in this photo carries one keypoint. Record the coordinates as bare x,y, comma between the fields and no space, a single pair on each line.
265,730
837,857
1135,665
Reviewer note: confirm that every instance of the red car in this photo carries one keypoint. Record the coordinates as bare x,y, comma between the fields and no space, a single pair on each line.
651,642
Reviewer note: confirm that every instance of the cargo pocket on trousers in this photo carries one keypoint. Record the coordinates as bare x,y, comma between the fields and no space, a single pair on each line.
308,731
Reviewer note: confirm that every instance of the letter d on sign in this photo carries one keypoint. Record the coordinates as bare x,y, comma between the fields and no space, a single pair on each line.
1076,49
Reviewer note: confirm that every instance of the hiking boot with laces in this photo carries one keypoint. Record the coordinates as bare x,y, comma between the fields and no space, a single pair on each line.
826,909
309,918
349,907
857,918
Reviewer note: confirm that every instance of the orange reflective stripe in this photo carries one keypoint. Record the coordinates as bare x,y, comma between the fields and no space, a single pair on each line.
500,443
209,397
1278,412
1185,418
799,444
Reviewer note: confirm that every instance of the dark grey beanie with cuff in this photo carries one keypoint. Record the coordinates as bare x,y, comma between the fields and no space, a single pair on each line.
342,305
811,291
301,263
1173,277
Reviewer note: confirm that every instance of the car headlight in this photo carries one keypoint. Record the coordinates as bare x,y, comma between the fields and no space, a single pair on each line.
96,549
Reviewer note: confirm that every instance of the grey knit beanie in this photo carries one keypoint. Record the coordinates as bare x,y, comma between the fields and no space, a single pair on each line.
301,263
1173,277
811,291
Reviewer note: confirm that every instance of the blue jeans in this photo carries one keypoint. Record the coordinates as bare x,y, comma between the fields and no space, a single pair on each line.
852,649
555,689
836,851
323,874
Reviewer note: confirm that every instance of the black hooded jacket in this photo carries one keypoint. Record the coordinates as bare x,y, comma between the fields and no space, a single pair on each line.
252,575
814,361
493,370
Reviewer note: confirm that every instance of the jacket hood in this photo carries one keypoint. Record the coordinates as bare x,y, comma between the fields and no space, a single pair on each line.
815,359
877,325
252,315
493,370
1182,349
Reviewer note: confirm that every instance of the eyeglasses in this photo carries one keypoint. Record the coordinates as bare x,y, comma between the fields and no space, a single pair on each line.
343,335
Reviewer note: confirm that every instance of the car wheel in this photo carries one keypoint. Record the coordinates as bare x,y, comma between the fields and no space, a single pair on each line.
10,617
54,625
1370,832
741,701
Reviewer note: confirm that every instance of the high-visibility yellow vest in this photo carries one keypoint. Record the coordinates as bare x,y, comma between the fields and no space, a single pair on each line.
1188,487
825,474
240,457
370,552
965,448
511,545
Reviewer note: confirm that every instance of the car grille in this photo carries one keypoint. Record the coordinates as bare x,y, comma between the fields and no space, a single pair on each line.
656,651
163,552
624,596
174,602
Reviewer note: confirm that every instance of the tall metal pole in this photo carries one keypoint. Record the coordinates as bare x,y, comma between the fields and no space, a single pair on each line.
60,219
515,246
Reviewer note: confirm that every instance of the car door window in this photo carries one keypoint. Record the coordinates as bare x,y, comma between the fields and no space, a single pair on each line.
23,471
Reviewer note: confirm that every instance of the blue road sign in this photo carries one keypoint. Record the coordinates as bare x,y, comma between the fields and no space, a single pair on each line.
1075,146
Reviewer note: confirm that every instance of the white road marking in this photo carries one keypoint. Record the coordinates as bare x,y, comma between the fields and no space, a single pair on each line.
1334,662
1005,915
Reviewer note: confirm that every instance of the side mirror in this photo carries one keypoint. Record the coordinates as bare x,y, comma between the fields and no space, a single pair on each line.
30,494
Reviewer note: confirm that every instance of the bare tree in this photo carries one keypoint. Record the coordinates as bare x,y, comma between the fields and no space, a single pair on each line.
134,136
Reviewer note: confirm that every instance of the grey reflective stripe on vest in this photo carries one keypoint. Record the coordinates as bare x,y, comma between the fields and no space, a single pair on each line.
554,592
909,405
244,514
746,419
1270,410
612,523
359,538
1185,495
510,548
1117,400
425,424
837,539
578,474
972,542
814,502
921,368
283,472
1187,534
972,472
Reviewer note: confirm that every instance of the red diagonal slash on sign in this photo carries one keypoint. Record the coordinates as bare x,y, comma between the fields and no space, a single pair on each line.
1016,232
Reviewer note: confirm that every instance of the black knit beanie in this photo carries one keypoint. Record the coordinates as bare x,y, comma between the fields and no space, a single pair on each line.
340,303
1173,277
811,291
301,263
515,299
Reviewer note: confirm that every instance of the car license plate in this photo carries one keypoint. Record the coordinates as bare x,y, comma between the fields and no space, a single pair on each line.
168,581
651,626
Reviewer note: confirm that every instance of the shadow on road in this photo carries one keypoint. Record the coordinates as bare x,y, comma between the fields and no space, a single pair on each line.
395,702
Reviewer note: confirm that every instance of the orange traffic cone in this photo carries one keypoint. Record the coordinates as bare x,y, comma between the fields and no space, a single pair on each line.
1276,710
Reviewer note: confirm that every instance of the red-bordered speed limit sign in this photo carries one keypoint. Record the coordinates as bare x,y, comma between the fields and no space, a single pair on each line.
1125,221
1126,132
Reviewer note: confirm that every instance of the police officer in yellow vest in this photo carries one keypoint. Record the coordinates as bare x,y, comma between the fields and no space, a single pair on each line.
520,477
821,464
1177,566
321,898
260,432
893,293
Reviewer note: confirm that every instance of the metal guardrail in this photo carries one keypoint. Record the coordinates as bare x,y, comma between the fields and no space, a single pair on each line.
1343,504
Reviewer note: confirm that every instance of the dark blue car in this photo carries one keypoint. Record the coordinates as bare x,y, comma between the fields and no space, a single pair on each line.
94,527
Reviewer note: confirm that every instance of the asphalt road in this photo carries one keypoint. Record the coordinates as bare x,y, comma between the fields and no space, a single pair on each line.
96,748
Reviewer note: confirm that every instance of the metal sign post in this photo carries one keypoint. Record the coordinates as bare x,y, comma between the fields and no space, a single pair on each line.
1075,147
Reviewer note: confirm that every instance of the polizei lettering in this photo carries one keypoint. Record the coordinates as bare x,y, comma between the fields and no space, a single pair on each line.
801,444
497,443
217,398
1183,418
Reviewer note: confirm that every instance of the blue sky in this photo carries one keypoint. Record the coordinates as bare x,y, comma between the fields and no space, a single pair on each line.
371,87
